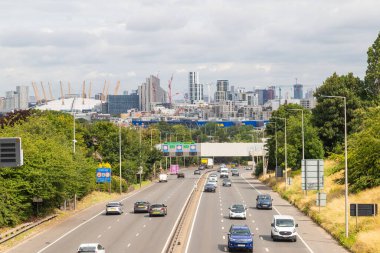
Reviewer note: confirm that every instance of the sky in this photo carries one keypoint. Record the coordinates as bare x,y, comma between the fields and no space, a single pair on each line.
251,43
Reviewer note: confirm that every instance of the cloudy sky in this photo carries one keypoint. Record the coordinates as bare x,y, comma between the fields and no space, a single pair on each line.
252,43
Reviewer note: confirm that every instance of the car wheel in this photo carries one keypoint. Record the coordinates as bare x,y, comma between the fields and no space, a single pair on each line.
295,239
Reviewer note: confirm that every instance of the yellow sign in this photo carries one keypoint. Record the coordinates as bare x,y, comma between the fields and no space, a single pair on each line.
104,165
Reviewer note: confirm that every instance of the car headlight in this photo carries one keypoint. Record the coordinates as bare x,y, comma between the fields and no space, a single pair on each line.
233,240
294,230
276,230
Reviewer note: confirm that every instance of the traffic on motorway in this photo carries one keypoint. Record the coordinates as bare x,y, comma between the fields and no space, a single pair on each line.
231,213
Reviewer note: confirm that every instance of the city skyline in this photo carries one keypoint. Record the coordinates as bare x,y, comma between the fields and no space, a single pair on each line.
250,43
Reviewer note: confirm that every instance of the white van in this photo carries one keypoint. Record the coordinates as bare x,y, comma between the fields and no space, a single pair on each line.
283,227
163,177
224,173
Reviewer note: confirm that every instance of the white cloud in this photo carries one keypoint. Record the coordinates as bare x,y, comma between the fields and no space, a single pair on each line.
249,42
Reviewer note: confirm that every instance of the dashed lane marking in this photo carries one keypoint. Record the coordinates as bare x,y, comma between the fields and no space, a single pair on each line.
224,237
221,220
144,226
222,228
225,249
109,227
99,236
137,234
129,245
266,249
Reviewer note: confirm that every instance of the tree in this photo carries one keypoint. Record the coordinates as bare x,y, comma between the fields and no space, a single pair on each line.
363,153
371,90
328,115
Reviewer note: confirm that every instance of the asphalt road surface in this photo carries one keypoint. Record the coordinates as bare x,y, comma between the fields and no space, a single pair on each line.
211,224
128,232
131,232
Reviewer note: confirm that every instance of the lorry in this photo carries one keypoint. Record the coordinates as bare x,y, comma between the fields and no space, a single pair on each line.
174,168
208,162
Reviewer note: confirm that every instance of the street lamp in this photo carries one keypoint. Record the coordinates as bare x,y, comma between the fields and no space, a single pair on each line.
303,133
74,140
286,155
120,156
345,162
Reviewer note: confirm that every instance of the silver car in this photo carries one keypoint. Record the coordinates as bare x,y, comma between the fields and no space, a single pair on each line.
114,208
238,211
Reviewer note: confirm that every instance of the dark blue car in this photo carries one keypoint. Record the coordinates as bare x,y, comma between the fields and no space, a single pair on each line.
264,201
240,238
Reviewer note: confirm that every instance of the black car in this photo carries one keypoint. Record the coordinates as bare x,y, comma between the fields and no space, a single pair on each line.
197,172
181,175
264,201
210,188
141,207
202,167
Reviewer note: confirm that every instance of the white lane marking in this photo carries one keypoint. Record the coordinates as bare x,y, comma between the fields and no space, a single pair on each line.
137,234
179,216
222,228
278,212
118,220
253,221
225,249
129,245
250,215
99,236
221,220
125,214
266,249
150,218
221,209
261,238
224,237
144,226
109,227
257,229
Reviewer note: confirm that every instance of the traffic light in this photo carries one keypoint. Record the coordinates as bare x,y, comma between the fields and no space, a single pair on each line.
11,154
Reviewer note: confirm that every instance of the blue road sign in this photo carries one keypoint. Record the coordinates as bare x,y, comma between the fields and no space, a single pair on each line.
103,175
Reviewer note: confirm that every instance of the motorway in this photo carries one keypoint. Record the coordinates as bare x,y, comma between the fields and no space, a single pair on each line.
131,232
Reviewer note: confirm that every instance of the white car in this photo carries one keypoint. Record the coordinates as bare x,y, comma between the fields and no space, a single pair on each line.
91,248
213,178
213,183
283,227
238,211
114,208
163,177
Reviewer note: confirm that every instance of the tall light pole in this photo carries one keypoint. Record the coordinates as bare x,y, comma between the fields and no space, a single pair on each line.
303,133
120,156
74,140
286,155
345,162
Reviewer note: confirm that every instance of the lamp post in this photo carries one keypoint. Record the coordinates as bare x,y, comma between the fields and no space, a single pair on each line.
74,140
345,162
286,155
151,137
120,156
303,133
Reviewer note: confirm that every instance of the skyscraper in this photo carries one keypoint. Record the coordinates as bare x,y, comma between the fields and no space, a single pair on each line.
298,91
23,97
151,93
195,88
221,90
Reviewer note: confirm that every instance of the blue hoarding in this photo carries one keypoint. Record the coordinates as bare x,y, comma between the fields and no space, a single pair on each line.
103,175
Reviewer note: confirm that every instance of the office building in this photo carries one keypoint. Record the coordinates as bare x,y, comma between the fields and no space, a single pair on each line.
118,104
298,91
221,90
195,88
151,94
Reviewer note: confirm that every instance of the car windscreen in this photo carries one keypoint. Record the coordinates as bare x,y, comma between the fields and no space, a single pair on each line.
285,223
241,231
209,185
237,208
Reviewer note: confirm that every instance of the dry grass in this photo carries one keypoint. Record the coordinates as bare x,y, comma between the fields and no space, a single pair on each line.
364,238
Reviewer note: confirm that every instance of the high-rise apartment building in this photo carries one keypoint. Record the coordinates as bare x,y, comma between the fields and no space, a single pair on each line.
264,95
195,88
150,94
298,91
23,97
221,90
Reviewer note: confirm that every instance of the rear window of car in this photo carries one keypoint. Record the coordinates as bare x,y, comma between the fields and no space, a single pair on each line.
156,206
141,203
264,197
113,204
237,208
87,249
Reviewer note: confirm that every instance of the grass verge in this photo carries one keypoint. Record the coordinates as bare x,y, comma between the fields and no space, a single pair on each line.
364,232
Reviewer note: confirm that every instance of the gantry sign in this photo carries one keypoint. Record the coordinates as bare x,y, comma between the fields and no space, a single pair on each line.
175,149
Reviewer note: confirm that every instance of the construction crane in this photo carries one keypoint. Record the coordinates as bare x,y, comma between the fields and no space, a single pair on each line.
117,88
36,93
170,89
62,96
50,92
43,92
